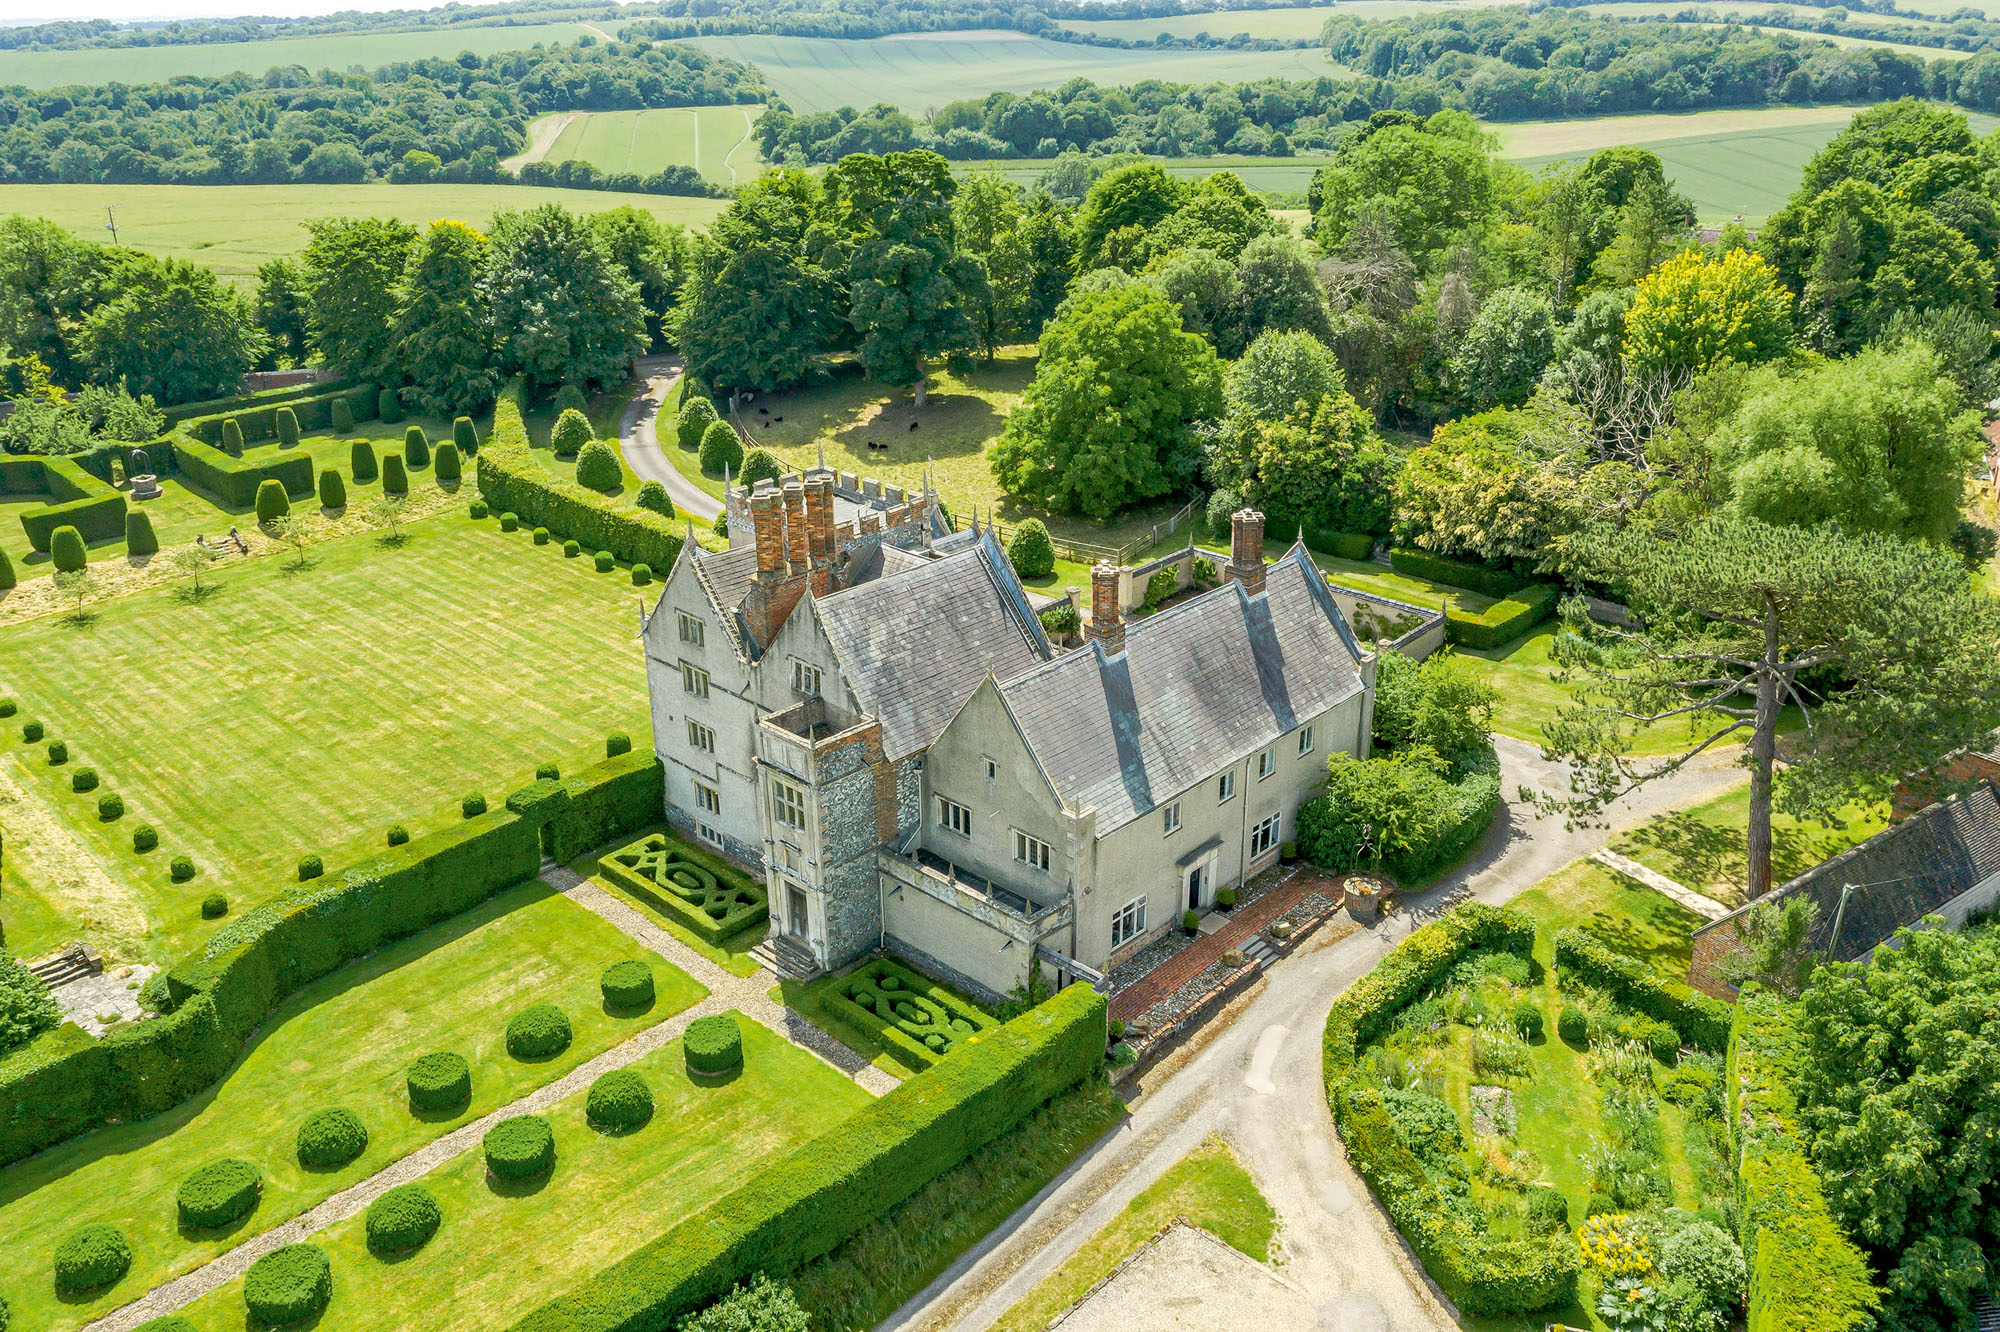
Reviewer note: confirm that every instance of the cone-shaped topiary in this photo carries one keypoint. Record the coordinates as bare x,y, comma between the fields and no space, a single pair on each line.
653,496
440,1081
416,448
140,539
720,448
619,1099
220,1193
627,986
403,1219
697,414
760,465
66,550
8,578
597,467
232,438
572,431
287,424
272,501
569,398
343,416
288,1285
447,466
395,479
332,490
91,1258
361,461
465,435
520,1148
331,1138
389,406
1031,552
538,1032
713,1045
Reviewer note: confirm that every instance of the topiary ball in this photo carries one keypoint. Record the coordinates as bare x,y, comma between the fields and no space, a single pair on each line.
541,536
713,1046
311,867
605,561
1572,1025
520,1148
642,574
331,1138
547,772
619,1099
403,1219
538,1032
171,1323
214,906
1528,1021
509,522
83,779
398,834
180,869
220,1193
627,986
145,838
91,1258
31,731
477,508
572,549
58,753
110,807
288,1285
472,806
617,743
8,707
597,467
440,1081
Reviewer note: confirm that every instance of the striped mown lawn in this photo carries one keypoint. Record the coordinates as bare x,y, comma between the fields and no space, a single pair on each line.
304,712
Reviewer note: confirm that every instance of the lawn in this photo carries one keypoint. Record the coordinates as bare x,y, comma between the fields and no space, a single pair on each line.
1616,912
234,228
919,71
1206,1188
1383,581
347,1040
505,1248
338,50
733,955
1702,847
306,712
715,140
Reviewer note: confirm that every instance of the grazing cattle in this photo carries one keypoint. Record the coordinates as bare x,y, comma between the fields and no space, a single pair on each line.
913,425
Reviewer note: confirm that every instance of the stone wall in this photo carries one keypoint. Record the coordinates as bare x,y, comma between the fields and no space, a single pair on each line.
847,777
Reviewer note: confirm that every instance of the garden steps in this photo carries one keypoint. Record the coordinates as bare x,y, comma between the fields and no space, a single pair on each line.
780,953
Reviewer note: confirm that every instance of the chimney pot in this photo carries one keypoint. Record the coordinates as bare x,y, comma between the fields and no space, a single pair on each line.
1246,550
1105,625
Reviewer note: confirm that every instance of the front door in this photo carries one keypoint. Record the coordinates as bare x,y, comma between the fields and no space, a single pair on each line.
795,910
1196,877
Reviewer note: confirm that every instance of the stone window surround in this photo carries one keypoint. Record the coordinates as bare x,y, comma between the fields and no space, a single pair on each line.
692,631
1132,918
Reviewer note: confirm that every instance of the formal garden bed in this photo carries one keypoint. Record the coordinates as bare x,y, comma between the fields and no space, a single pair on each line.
346,1042
901,1019
701,891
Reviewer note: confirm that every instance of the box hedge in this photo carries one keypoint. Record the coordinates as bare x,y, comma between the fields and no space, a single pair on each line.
1701,1021
77,499
803,1204
538,1032
1480,578
440,1080
331,1138
627,986
91,1258
402,1220
513,480
619,1099
1342,545
255,405
1503,621
608,799
235,481
713,1045
869,998
520,1148
702,885
288,1285
220,1193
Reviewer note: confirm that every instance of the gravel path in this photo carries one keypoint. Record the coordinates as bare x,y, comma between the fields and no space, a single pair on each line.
642,447
726,992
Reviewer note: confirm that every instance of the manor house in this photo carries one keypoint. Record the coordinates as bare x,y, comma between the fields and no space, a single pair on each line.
862,704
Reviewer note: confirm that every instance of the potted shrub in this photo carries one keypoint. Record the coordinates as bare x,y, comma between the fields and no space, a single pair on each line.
1365,894
1225,899
1191,923
1288,852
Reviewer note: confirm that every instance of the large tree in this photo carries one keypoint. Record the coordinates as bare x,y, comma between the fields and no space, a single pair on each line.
49,281
175,332
352,268
1119,213
1434,183
1737,620
1692,312
1109,417
563,309
654,254
281,310
444,336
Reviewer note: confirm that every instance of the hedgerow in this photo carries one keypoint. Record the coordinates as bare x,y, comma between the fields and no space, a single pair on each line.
220,1193
1701,1021
520,1148
288,1285
803,1204
402,1219
330,1138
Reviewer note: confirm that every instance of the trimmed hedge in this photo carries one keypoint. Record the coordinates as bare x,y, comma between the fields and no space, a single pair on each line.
915,1019
803,1204
331,1138
171,1323
332,490
218,1194
439,1081
395,477
1355,546
512,479
235,481
520,1148
254,405
402,1220
361,460
447,466
713,1045
91,1258
1503,621
66,549
79,499
272,502
627,986
140,538
1480,578
619,1099
416,447
608,799
288,1285
699,890
1806,1275
539,1032
465,435
1701,1021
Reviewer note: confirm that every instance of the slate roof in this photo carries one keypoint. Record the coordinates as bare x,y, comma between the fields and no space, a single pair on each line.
726,575
914,645
1900,875
1198,688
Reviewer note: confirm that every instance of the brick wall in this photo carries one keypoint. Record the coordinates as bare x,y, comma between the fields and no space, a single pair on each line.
1712,946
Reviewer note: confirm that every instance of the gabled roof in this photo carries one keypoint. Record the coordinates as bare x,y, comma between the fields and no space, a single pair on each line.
1197,689
914,645
1900,875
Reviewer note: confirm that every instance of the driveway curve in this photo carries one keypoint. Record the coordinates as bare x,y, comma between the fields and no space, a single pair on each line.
641,445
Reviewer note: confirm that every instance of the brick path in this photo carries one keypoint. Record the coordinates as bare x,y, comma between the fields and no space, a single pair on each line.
1245,922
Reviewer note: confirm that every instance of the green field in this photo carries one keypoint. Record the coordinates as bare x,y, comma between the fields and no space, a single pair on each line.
920,71
1283,23
346,1040
1283,175
294,713
234,228
715,140
341,50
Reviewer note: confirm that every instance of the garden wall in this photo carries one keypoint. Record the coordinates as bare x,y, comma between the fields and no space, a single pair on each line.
804,1204
64,1083
1805,1274
512,480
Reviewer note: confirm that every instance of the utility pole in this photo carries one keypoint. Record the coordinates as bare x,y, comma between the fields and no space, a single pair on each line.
111,224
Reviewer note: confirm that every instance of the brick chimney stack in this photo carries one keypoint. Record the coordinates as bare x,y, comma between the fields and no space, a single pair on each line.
1246,550
779,583
1105,625
819,530
795,527
767,524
